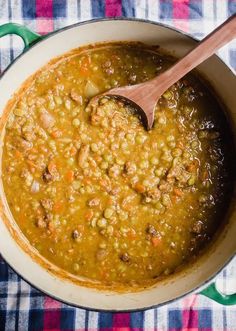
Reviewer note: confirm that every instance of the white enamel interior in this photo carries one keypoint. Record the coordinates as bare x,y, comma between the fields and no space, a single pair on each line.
223,81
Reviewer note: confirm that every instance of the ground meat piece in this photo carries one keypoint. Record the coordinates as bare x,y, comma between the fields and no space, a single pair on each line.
76,96
29,136
132,78
101,254
83,155
40,132
128,202
47,120
47,177
26,175
50,174
114,171
151,230
22,144
93,202
40,222
47,204
130,168
109,71
118,121
125,257
76,234
106,64
197,227
114,191
165,186
95,118
152,194
183,177
179,172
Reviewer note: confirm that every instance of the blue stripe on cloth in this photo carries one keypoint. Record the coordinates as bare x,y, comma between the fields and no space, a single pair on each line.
128,8
3,273
59,8
98,8
155,317
67,319
86,319
231,7
105,320
166,9
36,319
174,319
195,9
232,58
78,9
205,318
28,9
36,301
136,320
3,317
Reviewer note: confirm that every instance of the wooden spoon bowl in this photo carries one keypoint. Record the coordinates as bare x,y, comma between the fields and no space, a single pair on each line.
145,96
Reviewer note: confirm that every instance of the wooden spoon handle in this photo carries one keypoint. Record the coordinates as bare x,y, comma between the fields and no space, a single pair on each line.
208,46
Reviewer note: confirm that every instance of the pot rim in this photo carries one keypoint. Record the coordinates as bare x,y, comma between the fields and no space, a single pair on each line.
98,20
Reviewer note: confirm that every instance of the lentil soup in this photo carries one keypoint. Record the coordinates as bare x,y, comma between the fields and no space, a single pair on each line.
92,190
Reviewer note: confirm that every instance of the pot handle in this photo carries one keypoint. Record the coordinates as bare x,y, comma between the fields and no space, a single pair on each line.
211,292
29,37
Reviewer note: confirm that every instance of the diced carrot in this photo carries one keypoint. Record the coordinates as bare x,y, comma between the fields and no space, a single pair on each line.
58,206
84,69
104,272
177,191
56,134
32,166
132,234
117,234
86,61
51,227
105,184
179,144
80,227
139,188
88,215
70,176
87,180
52,168
174,198
18,154
192,167
73,151
155,241
33,150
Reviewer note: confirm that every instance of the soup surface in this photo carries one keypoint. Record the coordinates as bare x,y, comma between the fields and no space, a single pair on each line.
97,194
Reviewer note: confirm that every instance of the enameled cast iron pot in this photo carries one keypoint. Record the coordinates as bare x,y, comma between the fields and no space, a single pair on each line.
38,51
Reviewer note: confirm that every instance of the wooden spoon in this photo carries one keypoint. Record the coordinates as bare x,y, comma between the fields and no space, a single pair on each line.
144,96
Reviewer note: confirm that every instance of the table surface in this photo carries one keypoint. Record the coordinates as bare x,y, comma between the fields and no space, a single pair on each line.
22,307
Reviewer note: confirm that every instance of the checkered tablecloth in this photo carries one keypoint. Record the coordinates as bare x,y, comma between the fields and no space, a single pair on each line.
22,307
